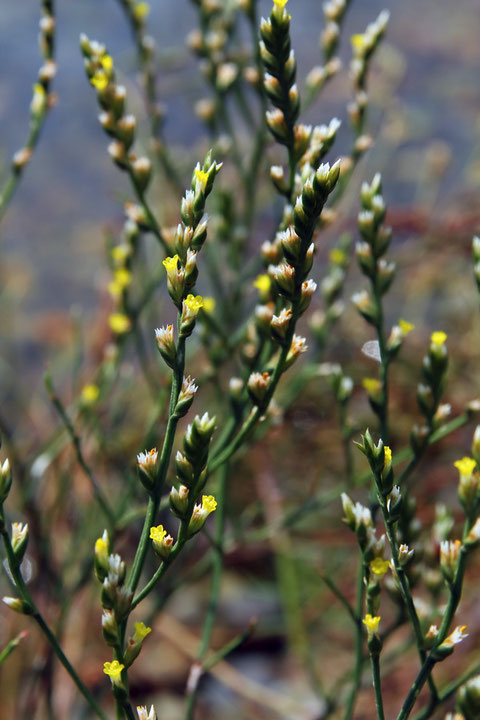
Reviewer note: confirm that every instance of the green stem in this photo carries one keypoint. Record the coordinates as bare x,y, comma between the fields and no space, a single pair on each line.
27,599
218,656
163,465
75,439
341,597
217,569
153,224
404,585
377,686
420,681
7,651
447,693
37,120
146,63
357,670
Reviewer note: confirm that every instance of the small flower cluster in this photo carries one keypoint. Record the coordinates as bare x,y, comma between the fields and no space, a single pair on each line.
42,98
210,44
121,256
333,13
181,268
429,392
116,601
191,475
290,259
118,125
363,48
371,249
279,81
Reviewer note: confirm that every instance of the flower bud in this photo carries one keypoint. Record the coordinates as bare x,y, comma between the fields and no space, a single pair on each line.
142,172
280,324
5,480
184,469
102,551
109,628
449,558
166,344
185,397
468,699
179,500
124,129
257,387
17,605
19,540
147,467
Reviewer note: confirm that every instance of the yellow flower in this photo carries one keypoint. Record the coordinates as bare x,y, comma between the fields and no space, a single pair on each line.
209,304
115,289
157,533
280,3
372,385
119,323
120,253
99,80
209,503
263,283
201,176
38,89
38,105
337,256
170,263
388,454
113,670
141,631
106,62
371,622
122,277
90,393
141,10
193,302
405,326
101,546
358,41
379,567
465,466
438,337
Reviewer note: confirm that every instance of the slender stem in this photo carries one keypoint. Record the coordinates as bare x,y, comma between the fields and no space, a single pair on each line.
420,681
346,434
218,656
159,573
217,569
447,693
146,58
34,612
154,227
47,39
10,647
357,670
163,465
341,597
217,563
405,586
377,686
453,601
76,442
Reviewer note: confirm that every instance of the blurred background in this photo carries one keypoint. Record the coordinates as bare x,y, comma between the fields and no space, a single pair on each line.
425,121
